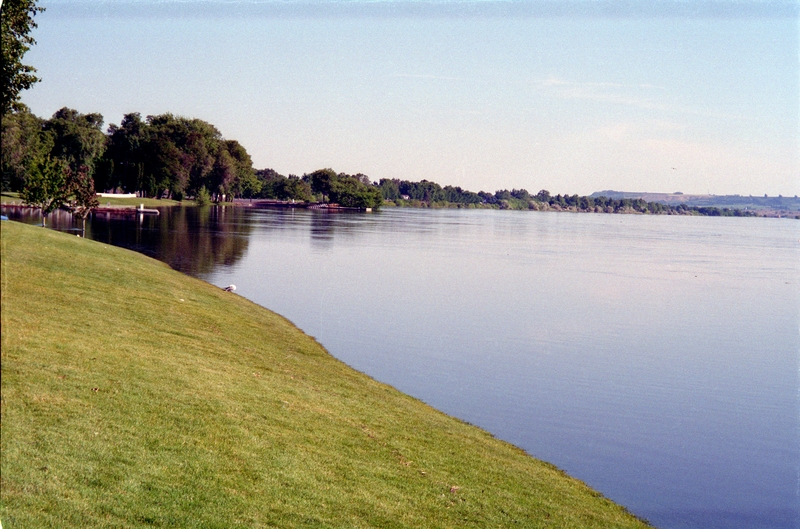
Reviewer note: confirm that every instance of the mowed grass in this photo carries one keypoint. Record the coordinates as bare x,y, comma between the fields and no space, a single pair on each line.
10,197
135,396
136,201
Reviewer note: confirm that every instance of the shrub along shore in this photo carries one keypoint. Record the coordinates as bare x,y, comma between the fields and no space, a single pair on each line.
133,395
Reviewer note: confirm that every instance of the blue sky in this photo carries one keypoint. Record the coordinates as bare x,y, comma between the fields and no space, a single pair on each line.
698,97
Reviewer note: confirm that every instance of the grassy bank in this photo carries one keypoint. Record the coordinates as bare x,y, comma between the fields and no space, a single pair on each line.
134,396
148,202
11,197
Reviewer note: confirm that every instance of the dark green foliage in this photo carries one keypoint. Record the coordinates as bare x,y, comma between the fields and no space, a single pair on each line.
124,158
22,144
423,190
460,196
245,183
16,24
294,188
161,156
276,186
521,194
172,156
321,181
270,183
390,189
355,192
487,198
352,191
46,185
78,139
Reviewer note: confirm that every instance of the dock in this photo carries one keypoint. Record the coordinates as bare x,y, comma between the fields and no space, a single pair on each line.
125,210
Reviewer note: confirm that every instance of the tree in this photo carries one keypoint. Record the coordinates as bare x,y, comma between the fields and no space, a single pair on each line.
46,185
293,188
322,181
223,174
244,182
459,196
16,24
352,192
122,161
175,156
422,190
78,139
82,198
22,143
269,180
390,189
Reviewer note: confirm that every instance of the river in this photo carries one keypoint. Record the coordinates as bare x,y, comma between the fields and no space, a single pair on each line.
653,357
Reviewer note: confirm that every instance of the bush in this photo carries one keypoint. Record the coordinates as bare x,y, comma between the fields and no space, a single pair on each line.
202,198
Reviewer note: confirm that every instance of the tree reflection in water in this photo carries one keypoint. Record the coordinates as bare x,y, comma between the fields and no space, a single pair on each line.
193,240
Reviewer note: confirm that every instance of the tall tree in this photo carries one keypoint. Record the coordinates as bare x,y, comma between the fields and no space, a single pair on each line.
16,23
46,185
78,139
123,165
223,174
23,142
322,181
245,182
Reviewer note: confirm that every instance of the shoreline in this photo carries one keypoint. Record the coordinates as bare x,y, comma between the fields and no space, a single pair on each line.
721,209
298,406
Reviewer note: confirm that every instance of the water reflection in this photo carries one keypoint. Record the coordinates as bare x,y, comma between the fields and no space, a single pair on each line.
192,240
322,230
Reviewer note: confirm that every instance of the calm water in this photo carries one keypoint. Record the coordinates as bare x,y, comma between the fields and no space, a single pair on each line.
655,358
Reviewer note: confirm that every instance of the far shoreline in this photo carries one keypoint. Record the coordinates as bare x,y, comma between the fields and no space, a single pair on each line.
109,202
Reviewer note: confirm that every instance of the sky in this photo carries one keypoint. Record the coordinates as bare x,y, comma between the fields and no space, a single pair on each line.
572,97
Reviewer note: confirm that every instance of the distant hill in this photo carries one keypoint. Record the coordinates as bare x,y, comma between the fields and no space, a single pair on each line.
777,204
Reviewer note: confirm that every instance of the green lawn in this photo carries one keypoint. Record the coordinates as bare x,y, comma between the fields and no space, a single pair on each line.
148,202
10,196
135,396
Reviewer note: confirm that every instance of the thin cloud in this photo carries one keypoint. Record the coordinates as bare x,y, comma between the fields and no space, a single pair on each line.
633,95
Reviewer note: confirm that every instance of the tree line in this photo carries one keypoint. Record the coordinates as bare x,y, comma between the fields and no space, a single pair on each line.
163,156
430,194
160,156
324,185
64,159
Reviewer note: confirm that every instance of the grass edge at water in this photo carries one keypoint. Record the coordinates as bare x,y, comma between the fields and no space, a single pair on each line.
134,395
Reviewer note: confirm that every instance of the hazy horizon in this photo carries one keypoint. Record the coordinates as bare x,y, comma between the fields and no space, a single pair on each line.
573,97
